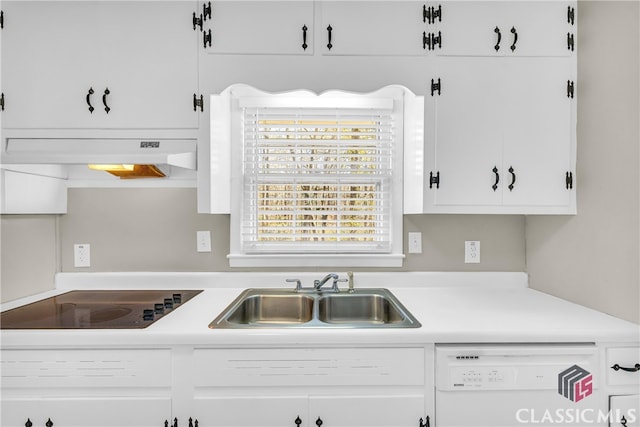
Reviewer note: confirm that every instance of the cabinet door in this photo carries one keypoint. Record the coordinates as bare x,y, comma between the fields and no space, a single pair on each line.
255,27
466,143
537,132
625,410
55,53
367,410
147,58
250,411
517,28
372,28
86,412
45,67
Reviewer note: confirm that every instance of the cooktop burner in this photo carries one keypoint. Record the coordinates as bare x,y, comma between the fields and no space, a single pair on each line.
103,309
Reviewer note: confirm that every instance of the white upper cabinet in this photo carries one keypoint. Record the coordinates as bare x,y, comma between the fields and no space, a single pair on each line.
507,28
372,28
258,27
503,138
99,65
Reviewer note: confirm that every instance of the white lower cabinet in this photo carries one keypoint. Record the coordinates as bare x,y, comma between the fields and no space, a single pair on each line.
95,411
323,387
624,410
86,388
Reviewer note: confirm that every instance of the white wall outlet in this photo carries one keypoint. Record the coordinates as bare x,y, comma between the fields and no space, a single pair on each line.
203,239
82,255
472,252
415,242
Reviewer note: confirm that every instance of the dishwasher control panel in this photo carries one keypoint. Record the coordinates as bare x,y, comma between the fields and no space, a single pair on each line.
510,366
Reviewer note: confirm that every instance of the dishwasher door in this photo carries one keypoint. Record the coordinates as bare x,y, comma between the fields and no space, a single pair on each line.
519,385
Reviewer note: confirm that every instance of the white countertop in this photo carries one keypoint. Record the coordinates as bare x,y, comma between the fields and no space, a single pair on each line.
452,308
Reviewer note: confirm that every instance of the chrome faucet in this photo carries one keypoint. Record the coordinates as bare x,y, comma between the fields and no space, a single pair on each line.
317,284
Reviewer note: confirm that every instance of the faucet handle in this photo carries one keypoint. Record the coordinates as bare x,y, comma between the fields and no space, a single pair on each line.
297,282
335,284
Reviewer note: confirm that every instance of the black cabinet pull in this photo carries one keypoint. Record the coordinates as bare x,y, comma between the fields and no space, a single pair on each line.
206,38
513,178
318,422
329,31
570,42
617,367
104,100
304,37
28,423
49,423
1,19
206,11
515,38
497,31
2,101
89,100
298,421
495,184
623,421
425,13
191,423
426,422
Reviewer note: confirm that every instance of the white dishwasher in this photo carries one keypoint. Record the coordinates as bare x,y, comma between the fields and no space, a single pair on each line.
518,385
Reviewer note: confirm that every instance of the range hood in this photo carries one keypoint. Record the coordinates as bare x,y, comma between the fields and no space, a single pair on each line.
65,151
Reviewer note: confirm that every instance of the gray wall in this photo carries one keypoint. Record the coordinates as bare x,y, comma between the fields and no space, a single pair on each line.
591,258
594,257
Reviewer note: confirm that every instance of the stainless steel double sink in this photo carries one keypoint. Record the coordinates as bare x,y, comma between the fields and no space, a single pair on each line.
278,308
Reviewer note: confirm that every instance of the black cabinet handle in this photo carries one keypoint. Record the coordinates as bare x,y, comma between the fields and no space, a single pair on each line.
495,184
426,422
28,423
104,100
298,421
513,178
319,422
617,367
206,10
191,423
2,101
49,423
497,31
329,31
304,37
515,38
198,102
89,100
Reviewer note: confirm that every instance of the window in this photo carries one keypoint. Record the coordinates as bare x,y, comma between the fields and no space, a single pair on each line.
315,179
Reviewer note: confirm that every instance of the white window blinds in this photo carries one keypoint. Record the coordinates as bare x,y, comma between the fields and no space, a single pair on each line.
317,179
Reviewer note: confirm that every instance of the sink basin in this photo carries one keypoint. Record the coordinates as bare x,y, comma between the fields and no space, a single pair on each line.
359,309
278,308
272,309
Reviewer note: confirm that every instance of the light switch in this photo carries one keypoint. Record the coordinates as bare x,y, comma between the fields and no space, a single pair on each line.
203,239
415,242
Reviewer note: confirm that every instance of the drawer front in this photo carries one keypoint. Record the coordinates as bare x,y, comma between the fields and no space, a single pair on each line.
309,367
85,368
623,366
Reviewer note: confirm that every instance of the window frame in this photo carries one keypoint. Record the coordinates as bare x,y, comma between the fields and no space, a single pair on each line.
227,160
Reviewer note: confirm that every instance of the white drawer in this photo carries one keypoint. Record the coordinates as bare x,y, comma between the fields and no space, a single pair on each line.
86,368
623,366
309,367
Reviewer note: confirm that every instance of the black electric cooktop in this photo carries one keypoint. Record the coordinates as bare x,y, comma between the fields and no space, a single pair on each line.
102,309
